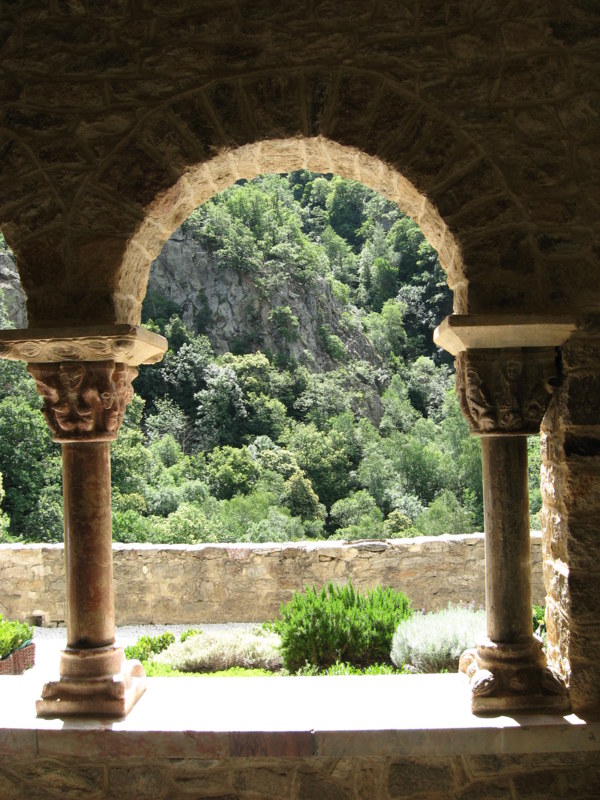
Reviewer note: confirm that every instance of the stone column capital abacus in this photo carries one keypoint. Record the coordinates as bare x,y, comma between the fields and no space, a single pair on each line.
124,344
506,368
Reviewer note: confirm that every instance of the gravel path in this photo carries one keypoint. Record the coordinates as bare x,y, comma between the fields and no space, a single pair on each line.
130,633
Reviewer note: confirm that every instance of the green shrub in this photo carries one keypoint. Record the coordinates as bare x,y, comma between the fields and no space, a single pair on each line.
257,649
13,635
539,620
339,624
434,642
332,344
190,632
146,646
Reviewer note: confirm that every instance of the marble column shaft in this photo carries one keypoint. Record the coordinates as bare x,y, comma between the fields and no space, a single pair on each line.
88,544
84,403
507,540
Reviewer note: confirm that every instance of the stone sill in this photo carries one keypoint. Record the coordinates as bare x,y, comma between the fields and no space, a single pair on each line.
215,718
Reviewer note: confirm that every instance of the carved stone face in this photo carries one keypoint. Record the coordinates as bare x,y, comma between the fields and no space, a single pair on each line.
505,391
512,370
84,400
75,411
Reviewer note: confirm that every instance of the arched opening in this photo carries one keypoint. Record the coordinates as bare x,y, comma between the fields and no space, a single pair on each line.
489,111
318,154
308,305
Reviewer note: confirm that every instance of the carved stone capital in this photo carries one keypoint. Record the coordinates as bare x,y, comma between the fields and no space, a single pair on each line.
512,677
84,400
505,391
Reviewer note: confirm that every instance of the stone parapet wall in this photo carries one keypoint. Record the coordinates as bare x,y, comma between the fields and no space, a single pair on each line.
248,582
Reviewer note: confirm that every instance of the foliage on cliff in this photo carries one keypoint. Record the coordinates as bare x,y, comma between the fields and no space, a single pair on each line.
301,395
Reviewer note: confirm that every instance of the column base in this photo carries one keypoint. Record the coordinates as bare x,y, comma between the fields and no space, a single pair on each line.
515,676
95,682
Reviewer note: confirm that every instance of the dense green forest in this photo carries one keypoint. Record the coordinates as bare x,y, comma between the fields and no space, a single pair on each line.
257,444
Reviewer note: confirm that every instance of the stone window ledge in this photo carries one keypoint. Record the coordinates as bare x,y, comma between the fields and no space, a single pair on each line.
216,718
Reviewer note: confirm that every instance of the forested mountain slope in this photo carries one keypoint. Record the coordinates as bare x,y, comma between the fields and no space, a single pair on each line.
301,395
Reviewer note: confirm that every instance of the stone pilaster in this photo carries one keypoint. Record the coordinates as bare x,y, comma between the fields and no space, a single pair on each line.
85,395
571,493
504,393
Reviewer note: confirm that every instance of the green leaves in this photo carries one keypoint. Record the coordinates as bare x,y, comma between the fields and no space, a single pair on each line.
149,645
339,624
13,635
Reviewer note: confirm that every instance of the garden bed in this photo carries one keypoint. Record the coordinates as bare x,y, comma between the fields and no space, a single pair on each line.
20,660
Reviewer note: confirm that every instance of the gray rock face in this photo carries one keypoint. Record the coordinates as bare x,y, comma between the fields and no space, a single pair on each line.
237,311
233,308
14,296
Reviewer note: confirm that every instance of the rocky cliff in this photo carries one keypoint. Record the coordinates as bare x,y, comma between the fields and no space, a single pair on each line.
235,309
14,296
242,312
247,312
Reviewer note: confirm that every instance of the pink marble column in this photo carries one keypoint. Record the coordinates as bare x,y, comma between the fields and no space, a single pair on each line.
84,406
88,545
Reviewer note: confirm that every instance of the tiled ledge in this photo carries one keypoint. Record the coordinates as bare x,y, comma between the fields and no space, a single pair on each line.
216,718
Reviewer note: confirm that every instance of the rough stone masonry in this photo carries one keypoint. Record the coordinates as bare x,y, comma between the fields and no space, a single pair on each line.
157,584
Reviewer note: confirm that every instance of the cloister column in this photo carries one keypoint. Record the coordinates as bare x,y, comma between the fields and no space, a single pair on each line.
504,390
85,379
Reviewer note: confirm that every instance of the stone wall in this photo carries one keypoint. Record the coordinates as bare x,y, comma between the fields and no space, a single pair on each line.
248,582
111,113
536,776
570,488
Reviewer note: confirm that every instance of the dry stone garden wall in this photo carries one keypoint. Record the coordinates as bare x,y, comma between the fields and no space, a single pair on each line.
248,582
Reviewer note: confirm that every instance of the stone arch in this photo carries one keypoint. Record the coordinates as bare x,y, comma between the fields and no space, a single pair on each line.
85,248
277,155
488,110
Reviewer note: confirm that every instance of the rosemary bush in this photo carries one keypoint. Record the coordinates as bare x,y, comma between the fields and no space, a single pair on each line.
339,625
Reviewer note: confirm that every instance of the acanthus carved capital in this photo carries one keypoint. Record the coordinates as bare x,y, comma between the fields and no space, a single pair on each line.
84,400
505,391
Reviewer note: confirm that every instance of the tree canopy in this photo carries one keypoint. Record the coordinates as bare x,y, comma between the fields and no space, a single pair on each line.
255,446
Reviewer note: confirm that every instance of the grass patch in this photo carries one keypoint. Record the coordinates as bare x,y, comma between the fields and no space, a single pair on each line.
155,669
